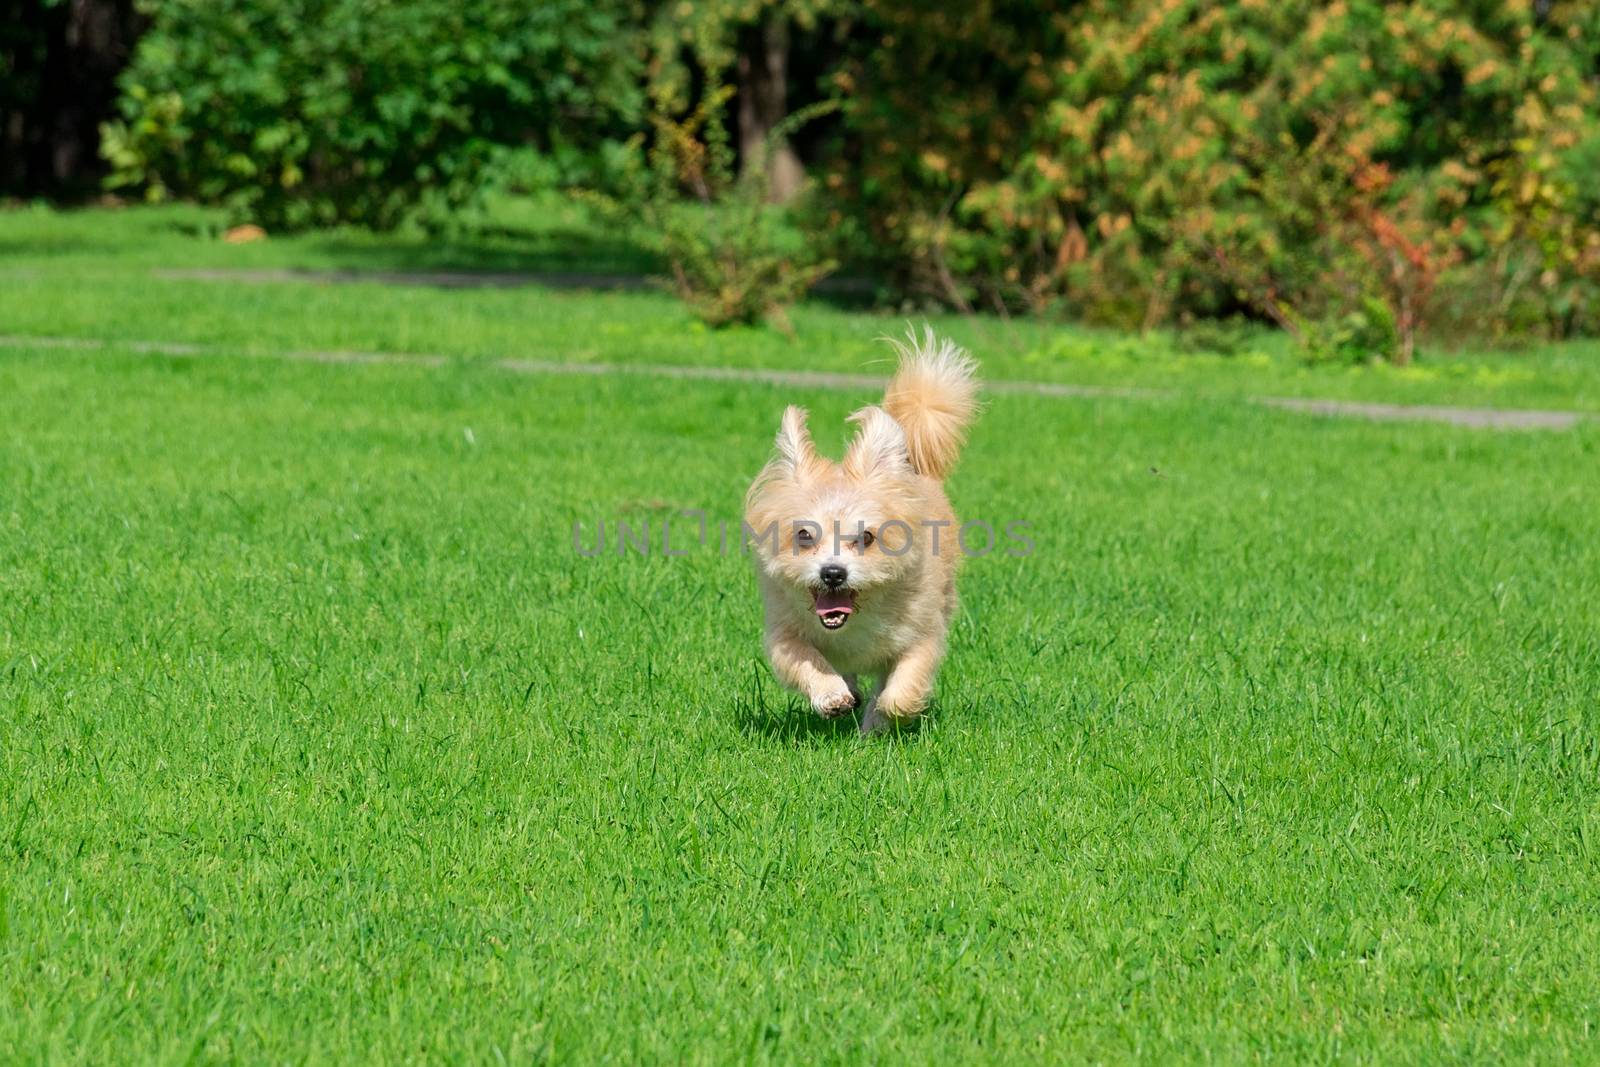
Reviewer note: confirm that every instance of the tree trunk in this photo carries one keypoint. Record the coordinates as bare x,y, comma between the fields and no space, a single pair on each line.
763,103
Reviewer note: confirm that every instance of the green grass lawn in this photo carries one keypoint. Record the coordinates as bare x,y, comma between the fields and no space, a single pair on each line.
97,273
320,743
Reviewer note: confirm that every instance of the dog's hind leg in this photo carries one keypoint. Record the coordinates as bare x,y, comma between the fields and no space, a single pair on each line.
907,686
855,687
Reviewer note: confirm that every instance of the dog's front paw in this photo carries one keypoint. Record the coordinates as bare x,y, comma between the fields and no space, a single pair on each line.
835,701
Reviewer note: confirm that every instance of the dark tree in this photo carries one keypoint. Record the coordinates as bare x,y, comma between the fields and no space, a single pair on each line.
59,61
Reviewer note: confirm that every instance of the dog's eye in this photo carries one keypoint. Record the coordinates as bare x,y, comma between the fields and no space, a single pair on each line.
866,539
804,537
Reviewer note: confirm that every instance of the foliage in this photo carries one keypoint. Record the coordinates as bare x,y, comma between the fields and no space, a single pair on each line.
1350,275
692,38
308,112
735,256
1364,173
1127,148
940,97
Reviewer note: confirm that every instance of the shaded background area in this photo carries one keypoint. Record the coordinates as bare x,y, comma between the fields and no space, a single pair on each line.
1376,180
59,61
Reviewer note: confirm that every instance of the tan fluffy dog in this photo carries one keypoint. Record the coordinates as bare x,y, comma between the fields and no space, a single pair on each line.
857,560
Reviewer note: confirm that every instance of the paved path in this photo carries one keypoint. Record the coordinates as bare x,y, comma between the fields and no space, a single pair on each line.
1478,418
1473,418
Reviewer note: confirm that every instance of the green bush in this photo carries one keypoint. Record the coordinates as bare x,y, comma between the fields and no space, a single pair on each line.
309,112
1365,173
1342,168
735,256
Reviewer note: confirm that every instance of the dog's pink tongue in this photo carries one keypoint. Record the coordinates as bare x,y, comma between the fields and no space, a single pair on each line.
834,600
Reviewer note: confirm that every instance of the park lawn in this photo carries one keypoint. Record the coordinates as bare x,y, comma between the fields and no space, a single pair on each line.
319,742
119,273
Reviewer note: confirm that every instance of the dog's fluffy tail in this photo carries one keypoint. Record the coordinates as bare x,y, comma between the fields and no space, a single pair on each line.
934,398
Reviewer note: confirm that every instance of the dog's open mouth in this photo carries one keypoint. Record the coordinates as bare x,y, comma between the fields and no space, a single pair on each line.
834,607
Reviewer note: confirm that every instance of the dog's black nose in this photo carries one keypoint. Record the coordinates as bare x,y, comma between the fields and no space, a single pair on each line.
833,575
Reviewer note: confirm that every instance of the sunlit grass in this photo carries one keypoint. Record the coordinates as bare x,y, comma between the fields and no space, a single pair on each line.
319,742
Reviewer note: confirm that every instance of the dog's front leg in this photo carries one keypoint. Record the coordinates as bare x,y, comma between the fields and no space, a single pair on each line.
907,687
804,669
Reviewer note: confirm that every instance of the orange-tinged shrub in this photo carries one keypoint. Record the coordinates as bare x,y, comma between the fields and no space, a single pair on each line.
1352,158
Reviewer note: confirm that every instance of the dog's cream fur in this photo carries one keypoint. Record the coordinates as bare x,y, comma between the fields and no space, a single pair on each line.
901,576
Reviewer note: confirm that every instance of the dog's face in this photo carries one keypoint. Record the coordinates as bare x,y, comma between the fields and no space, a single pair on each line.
834,533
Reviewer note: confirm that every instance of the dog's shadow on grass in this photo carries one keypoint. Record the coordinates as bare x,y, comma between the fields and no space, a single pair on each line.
792,722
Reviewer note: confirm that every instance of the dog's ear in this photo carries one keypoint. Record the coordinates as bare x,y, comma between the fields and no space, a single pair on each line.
795,450
879,447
